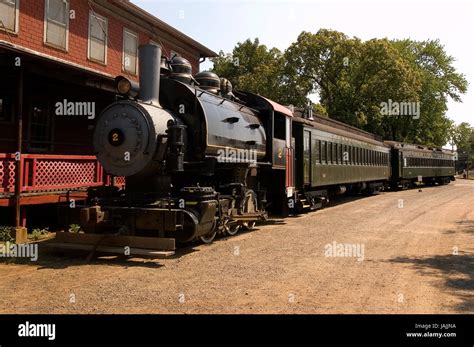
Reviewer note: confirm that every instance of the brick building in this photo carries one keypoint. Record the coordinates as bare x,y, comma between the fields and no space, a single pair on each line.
61,52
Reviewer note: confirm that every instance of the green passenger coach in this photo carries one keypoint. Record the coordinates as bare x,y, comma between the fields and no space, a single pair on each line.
415,163
332,158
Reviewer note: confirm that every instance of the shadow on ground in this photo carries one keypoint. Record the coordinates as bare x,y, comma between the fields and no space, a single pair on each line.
61,259
456,273
463,226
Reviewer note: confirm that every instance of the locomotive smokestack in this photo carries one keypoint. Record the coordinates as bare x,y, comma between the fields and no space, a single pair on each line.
150,62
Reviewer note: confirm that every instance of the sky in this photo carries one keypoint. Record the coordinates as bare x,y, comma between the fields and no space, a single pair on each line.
221,24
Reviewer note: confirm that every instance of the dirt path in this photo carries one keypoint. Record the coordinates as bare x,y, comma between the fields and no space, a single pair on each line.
408,266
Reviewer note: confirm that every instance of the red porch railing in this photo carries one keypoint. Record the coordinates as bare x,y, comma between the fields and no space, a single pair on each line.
45,173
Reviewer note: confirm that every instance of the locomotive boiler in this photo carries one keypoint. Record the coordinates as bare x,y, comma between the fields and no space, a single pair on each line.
190,152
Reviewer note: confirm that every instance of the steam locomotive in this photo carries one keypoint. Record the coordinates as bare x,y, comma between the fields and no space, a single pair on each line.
201,159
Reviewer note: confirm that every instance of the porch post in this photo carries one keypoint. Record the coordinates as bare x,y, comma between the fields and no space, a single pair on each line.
18,167
20,231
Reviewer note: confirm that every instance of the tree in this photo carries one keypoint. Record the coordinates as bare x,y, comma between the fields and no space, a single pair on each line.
352,78
439,82
252,67
462,136
355,81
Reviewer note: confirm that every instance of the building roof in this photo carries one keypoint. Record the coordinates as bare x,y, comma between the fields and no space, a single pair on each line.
159,24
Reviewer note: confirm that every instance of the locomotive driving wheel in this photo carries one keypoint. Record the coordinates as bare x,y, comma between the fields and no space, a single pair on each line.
207,239
231,227
249,225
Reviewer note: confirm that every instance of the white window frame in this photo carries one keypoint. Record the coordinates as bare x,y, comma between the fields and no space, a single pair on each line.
94,14
17,20
133,33
46,3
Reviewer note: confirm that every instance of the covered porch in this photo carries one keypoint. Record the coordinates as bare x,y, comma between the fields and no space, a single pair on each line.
46,157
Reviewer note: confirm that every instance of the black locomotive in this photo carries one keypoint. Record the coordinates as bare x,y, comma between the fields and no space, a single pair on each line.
201,159
197,160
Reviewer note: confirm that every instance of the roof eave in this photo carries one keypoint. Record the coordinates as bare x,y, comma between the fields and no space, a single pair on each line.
204,52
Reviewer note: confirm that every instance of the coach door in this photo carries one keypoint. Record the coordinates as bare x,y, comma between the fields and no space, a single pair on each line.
306,157
290,159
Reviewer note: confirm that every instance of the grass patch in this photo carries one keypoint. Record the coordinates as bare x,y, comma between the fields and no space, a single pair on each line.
38,234
6,234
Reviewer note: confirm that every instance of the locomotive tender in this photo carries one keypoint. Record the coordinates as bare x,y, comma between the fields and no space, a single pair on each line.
201,159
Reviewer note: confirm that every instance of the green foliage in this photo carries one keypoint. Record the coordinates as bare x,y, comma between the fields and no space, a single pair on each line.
440,81
38,234
5,234
462,136
252,67
74,228
353,78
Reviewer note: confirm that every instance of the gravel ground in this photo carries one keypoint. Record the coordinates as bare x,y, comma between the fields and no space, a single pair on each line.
418,257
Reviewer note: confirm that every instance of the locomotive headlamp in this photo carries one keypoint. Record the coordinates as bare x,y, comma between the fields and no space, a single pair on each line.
126,87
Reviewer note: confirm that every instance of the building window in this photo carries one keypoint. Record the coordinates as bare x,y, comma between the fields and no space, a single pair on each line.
40,127
9,15
130,51
6,109
97,38
56,23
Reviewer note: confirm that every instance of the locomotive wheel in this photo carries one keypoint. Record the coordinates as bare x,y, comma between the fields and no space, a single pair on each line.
232,229
249,225
207,239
